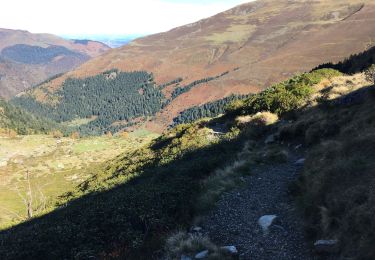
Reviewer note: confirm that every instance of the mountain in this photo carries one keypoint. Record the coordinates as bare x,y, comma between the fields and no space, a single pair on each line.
253,45
27,59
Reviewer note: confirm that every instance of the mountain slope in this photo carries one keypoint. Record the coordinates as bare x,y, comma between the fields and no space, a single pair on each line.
27,59
259,43
18,121
132,205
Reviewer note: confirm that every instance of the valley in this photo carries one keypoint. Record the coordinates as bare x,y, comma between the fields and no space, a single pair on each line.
55,165
249,134
27,59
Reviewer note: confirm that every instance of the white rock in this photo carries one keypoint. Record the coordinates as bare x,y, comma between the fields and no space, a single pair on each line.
326,246
3,163
300,161
266,221
201,255
230,249
196,229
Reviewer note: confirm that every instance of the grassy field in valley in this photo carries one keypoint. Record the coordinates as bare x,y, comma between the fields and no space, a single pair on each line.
54,165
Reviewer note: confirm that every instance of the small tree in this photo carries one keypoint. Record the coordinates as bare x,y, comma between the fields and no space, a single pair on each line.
370,74
32,196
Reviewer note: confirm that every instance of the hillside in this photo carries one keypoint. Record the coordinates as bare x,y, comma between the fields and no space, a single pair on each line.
14,120
258,43
27,59
119,213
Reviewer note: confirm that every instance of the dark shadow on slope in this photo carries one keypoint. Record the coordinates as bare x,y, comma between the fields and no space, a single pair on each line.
128,221
336,188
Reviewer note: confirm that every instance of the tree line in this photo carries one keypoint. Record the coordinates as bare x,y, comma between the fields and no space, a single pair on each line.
211,109
183,89
354,64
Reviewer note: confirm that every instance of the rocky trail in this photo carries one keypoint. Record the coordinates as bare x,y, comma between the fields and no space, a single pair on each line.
260,218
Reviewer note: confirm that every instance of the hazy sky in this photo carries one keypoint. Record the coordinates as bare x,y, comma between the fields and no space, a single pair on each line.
75,17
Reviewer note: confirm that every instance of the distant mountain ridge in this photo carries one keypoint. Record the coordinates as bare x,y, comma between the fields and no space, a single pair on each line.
27,59
258,43
114,41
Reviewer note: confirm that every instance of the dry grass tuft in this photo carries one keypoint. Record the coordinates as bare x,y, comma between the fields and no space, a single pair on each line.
259,119
182,243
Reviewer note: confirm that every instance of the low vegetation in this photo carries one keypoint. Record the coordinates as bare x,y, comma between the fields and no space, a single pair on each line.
52,165
139,198
283,97
335,190
182,243
133,204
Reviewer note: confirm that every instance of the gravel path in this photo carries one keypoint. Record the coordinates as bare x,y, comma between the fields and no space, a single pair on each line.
235,219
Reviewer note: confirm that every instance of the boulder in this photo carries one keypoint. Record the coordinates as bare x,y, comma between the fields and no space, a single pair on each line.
196,229
300,161
230,249
202,255
266,221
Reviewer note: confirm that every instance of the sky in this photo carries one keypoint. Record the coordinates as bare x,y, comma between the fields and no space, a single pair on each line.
107,17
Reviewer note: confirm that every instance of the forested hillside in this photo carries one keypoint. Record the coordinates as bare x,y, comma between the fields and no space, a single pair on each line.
22,122
113,98
28,54
210,109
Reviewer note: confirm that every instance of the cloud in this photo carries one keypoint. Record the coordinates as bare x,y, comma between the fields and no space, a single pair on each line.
106,16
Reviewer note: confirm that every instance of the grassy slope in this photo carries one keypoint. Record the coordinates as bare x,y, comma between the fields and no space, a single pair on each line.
137,200
55,166
336,190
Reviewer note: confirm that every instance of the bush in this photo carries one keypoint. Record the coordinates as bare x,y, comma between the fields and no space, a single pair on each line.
284,97
370,74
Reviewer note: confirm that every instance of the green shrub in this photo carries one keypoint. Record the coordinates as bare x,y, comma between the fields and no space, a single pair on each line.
285,96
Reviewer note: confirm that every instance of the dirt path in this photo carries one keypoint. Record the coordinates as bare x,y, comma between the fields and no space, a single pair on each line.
235,219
